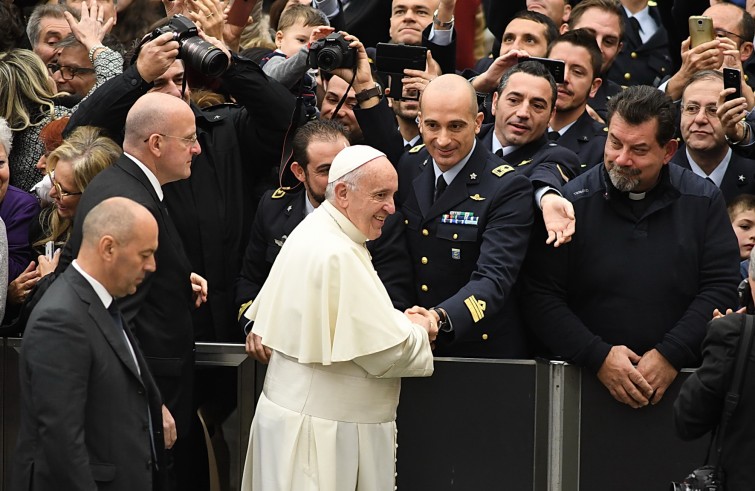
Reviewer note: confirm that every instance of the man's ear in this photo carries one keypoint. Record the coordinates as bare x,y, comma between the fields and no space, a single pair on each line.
298,171
106,247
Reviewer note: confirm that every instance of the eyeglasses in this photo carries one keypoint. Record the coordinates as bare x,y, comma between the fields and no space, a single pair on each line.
59,189
68,72
694,109
190,141
723,33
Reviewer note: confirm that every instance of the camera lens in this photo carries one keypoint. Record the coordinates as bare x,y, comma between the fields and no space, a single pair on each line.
329,59
203,56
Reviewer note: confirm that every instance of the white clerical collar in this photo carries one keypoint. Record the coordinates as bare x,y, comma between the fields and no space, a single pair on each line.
504,150
152,178
636,196
717,176
343,222
451,173
98,288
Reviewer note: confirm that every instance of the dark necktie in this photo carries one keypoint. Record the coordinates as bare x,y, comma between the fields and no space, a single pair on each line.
635,25
115,314
553,135
407,147
440,186
499,153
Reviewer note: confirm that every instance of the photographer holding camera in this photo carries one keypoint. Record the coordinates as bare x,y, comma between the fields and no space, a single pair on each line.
702,400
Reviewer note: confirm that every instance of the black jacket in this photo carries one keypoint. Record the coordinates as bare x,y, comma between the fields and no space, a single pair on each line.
587,138
739,177
645,282
698,407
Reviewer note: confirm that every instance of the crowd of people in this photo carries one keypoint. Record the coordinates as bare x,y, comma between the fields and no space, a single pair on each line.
170,174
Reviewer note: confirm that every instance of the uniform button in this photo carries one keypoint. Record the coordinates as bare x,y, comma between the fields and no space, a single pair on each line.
627,76
424,260
140,391
484,337
424,288
456,236
425,232
633,55
663,69
148,464
406,222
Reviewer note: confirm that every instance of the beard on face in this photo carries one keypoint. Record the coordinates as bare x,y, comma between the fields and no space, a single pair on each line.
625,180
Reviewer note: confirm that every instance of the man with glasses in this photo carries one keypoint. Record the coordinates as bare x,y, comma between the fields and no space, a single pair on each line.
159,144
733,46
706,151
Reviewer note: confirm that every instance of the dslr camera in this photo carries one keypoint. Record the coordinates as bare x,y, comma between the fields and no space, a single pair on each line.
195,51
702,479
332,52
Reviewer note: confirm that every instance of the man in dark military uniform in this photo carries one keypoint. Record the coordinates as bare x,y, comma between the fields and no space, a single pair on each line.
605,20
571,125
645,58
279,212
522,107
468,219
706,151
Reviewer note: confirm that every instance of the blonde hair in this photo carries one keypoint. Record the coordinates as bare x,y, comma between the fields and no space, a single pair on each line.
24,88
89,152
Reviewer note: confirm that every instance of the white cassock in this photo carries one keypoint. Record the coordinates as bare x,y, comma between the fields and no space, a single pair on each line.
326,419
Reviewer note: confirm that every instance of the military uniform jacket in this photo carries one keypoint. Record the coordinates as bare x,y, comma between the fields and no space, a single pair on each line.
544,162
739,177
279,213
641,63
467,249
587,138
607,90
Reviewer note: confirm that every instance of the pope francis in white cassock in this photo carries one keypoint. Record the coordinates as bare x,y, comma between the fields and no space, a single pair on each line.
326,417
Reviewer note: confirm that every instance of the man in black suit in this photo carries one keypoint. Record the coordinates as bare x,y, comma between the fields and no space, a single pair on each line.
159,144
571,125
468,218
91,413
706,151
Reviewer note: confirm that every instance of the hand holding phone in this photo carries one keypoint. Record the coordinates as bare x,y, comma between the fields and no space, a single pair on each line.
700,30
49,249
555,67
733,79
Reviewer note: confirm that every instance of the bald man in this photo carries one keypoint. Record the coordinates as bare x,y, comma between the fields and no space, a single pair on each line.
468,219
159,143
84,381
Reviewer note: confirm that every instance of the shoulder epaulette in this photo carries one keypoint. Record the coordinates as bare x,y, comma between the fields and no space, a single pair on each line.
501,170
278,193
417,148
652,3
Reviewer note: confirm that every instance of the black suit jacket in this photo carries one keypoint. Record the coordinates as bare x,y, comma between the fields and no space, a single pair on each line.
280,212
544,162
467,249
160,310
739,177
84,404
587,138
381,131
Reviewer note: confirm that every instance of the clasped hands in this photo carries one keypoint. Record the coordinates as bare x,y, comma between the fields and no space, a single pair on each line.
636,380
426,318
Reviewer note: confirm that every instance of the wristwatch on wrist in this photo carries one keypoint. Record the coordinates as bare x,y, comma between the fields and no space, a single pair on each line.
443,25
376,91
443,324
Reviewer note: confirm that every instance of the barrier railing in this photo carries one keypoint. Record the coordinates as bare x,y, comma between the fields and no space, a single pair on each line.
475,425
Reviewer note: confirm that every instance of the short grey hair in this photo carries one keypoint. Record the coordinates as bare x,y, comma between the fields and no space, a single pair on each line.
39,13
351,179
6,136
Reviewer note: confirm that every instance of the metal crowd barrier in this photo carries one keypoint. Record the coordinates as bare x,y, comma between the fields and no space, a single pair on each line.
475,425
